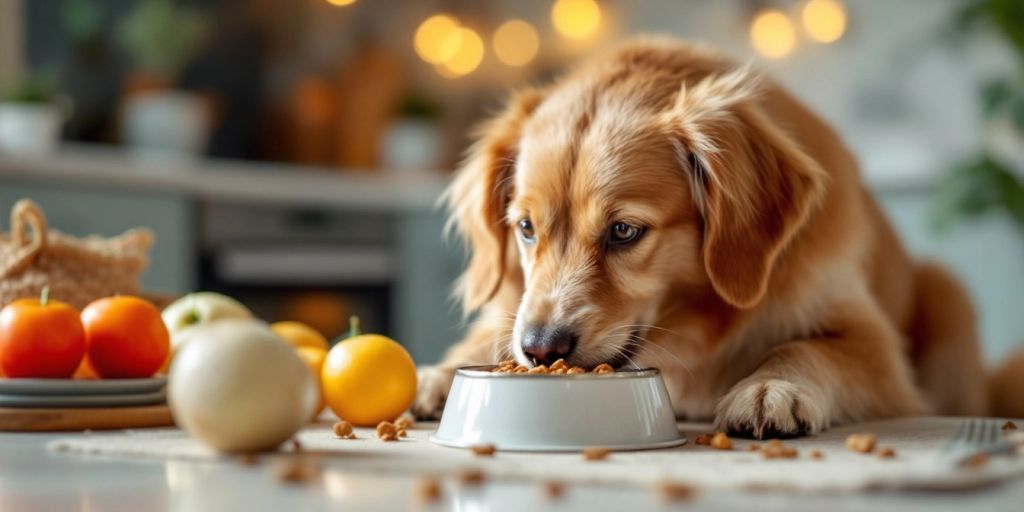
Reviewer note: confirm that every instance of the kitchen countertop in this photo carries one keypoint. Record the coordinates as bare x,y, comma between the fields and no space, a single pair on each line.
225,180
32,478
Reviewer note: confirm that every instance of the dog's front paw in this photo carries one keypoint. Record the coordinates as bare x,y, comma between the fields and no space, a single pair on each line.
432,387
763,408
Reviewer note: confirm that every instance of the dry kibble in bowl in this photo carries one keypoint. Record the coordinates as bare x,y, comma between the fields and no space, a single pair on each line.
559,367
861,443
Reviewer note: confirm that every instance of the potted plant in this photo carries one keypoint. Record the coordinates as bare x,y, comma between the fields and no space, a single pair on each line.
993,179
31,115
160,37
414,140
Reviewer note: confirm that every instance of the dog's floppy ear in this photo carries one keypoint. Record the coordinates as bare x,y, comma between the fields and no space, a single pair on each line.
755,187
478,198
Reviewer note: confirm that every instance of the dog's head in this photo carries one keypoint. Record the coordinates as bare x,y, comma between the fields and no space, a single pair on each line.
621,194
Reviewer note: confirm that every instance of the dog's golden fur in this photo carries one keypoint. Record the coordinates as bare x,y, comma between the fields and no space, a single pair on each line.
767,286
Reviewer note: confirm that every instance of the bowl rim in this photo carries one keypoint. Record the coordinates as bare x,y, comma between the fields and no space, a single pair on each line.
483,371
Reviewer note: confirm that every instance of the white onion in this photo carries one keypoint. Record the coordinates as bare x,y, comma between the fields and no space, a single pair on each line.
242,389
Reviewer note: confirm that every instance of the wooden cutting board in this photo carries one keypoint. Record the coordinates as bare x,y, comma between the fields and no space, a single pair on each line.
58,420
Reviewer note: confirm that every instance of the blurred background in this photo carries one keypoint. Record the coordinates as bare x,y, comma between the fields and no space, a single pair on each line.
291,153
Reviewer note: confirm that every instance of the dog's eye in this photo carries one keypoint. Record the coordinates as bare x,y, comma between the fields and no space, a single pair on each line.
526,231
623,234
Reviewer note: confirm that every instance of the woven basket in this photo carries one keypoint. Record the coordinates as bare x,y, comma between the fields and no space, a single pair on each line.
77,270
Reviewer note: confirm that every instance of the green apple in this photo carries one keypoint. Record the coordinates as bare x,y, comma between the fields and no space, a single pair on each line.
199,308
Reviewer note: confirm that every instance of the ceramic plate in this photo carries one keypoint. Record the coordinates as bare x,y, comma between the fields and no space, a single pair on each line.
122,400
92,388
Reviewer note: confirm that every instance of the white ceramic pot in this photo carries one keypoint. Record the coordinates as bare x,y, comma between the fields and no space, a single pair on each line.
625,410
412,144
165,123
30,128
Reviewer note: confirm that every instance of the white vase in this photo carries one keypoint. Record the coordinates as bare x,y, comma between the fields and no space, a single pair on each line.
165,123
412,144
30,128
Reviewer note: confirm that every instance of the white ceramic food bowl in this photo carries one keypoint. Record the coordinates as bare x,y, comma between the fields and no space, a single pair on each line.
625,410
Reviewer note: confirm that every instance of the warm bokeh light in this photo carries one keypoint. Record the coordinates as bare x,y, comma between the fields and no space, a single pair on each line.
468,55
772,34
576,19
341,3
438,38
515,43
824,20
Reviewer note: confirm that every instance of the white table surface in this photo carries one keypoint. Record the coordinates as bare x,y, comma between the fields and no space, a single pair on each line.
33,479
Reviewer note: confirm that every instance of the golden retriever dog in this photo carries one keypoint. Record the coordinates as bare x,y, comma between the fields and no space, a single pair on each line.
665,207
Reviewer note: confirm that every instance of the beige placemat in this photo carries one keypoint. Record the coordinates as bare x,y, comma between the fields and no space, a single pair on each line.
916,465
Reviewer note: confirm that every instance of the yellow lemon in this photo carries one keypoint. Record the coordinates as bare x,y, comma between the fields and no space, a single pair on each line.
314,358
368,378
299,334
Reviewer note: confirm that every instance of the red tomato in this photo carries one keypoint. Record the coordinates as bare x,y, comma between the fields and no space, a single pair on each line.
40,338
125,337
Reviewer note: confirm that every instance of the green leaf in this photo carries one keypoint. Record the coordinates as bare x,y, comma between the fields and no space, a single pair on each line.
1008,17
977,188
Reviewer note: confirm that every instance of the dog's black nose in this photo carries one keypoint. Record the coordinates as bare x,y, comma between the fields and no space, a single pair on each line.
547,345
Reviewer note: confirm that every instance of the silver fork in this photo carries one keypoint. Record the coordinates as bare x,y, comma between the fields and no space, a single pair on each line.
977,435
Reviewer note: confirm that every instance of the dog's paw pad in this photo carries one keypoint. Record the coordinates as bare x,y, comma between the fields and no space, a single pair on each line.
770,408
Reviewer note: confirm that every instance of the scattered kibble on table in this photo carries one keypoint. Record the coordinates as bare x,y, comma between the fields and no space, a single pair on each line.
674,491
720,441
861,443
594,453
472,477
295,470
775,449
404,422
344,430
428,490
552,490
484,450
977,460
386,431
